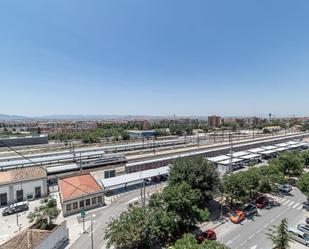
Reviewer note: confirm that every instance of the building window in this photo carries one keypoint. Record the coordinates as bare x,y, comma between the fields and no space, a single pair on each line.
20,195
81,204
87,202
68,207
109,173
99,199
94,200
75,205
37,191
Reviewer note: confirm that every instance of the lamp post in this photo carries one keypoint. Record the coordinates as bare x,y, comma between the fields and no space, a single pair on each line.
92,218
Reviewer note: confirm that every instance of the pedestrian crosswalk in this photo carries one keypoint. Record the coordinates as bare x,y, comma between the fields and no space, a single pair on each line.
290,203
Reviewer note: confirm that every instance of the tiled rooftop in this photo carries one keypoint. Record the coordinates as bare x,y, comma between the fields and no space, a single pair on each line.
75,186
22,174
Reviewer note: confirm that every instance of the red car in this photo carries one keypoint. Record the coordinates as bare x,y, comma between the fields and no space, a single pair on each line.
206,235
261,201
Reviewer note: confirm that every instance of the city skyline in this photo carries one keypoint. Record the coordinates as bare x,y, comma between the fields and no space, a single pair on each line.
154,58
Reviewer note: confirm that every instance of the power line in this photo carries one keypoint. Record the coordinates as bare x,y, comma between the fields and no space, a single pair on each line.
41,167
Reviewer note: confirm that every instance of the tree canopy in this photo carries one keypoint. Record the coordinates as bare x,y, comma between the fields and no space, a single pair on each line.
303,183
290,164
188,241
198,173
45,215
280,236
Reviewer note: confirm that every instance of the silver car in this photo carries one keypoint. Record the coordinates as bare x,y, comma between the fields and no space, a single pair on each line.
303,227
299,236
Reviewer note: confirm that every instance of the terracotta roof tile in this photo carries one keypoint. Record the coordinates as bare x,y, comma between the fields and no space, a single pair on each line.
75,186
22,174
27,239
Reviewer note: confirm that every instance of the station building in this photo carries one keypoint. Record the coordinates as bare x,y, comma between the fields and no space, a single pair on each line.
79,193
22,184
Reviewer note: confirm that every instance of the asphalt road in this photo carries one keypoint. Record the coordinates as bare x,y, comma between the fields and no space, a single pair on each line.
104,216
251,233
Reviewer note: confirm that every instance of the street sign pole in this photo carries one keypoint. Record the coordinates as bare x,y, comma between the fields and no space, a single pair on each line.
83,215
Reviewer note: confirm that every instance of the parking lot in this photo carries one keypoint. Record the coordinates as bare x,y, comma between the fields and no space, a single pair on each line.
251,232
8,224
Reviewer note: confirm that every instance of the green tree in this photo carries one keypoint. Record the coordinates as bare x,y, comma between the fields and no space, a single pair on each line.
198,173
303,183
234,187
45,215
305,156
290,164
280,236
184,201
140,228
188,241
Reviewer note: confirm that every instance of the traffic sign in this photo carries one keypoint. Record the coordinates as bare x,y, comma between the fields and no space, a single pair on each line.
82,214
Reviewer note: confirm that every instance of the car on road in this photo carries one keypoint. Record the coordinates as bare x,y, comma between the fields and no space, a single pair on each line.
206,235
261,201
303,227
16,208
306,205
286,188
299,236
237,216
249,209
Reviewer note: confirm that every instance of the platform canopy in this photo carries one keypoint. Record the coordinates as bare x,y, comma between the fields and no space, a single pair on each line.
250,156
133,177
229,161
218,158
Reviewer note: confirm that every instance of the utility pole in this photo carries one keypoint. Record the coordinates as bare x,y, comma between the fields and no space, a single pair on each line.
93,216
231,151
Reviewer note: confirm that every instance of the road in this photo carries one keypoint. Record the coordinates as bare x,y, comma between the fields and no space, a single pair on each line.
105,215
251,233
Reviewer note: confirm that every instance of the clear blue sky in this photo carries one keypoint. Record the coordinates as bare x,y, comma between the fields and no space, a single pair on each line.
155,57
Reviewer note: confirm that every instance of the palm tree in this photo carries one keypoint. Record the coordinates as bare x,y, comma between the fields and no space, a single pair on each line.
280,236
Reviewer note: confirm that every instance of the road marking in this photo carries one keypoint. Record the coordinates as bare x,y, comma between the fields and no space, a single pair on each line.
286,202
299,208
260,230
231,241
253,247
296,205
291,203
251,237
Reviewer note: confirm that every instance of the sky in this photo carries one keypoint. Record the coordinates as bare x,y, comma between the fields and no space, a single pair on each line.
154,57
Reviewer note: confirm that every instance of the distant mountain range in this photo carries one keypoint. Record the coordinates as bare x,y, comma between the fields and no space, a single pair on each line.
5,117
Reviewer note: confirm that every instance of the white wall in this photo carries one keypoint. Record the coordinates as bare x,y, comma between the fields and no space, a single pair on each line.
27,186
56,238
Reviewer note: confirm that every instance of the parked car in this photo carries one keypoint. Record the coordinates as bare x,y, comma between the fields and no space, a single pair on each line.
237,216
272,203
306,205
155,179
249,209
303,227
16,208
163,178
299,236
206,235
147,182
286,188
261,201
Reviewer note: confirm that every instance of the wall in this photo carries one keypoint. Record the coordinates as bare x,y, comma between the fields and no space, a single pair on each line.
25,141
27,186
56,238
86,207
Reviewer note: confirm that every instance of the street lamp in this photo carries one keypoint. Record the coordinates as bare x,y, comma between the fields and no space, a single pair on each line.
92,218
